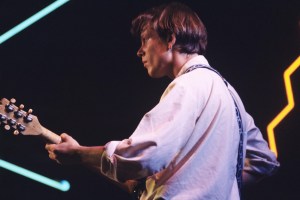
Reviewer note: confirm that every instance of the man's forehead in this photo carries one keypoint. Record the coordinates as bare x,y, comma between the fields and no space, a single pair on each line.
147,30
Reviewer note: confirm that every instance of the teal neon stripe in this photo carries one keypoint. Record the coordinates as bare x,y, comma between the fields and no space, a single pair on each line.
42,13
60,185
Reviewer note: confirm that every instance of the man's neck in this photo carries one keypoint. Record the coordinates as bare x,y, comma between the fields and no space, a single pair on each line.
180,59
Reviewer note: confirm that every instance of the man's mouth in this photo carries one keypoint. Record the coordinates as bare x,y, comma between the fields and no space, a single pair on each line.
144,62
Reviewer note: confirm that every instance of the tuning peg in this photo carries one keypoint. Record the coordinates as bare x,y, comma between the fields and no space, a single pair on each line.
29,111
3,117
20,127
7,127
16,132
12,122
18,113
28,118
13,101
9,107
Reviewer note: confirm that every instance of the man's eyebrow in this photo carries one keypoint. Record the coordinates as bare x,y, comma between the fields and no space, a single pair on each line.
144,33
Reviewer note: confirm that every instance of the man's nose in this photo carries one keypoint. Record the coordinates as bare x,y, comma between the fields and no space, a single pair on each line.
140,52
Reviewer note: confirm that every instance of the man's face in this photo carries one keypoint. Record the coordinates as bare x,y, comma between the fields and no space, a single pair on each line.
154,54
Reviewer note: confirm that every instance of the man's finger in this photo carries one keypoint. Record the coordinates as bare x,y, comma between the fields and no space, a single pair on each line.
50,147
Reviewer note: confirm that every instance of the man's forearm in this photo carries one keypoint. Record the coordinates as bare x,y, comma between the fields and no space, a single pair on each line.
91,158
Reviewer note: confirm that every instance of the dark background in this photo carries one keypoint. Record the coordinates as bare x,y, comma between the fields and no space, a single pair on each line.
77,69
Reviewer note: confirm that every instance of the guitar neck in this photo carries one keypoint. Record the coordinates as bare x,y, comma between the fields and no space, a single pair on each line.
49,136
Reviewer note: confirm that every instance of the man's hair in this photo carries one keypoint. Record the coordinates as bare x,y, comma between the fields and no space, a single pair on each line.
174,18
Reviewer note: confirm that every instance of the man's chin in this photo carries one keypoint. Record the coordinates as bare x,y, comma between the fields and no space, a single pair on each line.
154,75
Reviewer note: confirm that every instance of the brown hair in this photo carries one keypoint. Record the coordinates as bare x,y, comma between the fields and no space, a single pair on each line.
174,18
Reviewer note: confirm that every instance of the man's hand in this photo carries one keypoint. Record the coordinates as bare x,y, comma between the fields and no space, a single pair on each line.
65,152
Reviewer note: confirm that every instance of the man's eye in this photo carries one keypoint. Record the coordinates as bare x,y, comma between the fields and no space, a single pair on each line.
144,40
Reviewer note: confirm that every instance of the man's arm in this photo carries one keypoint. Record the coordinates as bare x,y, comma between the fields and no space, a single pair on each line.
70,152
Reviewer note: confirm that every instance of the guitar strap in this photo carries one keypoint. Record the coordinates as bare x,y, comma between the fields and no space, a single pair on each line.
239,167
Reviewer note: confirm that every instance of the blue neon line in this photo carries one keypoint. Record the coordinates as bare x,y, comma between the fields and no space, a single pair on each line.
42,13
60,185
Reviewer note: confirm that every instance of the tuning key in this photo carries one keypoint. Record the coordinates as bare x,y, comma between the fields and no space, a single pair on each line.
18,113
7,127
12,122
20,127
13,100
3,117
28,117
16,132
9,107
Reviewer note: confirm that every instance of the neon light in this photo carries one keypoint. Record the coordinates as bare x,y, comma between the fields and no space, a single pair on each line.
42,13
60,185
290,97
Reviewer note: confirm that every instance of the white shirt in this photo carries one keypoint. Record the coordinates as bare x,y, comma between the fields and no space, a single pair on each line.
187,144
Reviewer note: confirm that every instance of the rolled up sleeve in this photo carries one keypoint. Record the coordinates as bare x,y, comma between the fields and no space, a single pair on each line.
259,159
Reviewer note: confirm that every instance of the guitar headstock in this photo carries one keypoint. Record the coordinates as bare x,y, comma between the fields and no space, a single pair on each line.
15,118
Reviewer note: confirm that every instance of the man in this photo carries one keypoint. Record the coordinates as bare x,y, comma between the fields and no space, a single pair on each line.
194,143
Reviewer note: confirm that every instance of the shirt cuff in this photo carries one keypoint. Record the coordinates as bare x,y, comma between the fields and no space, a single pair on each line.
111,147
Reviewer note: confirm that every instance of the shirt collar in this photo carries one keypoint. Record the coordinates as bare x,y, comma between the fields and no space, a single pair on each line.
200,59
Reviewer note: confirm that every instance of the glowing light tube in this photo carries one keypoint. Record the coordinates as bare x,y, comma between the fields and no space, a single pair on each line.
42,13
291,103
60,185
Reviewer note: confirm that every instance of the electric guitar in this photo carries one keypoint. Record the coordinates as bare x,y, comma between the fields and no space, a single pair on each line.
14,118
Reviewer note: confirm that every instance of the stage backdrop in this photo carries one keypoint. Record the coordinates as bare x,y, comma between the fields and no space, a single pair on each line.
74,63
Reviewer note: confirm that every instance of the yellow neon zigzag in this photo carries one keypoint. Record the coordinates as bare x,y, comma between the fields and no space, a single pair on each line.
290,97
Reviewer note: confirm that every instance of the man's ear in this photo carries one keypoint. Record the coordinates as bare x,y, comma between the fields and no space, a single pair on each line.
171,41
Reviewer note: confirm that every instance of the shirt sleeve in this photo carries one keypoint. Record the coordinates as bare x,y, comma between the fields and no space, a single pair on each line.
160,135
259,159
